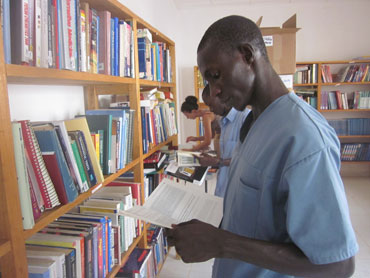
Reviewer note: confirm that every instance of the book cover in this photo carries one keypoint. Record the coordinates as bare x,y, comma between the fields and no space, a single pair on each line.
69,256
60,241
103,122
96,235
49,142
79,138
6,31
22,177
20,32
81,169
52,166
104,42
41,267
80,123
102,235
136,264
65,143
43,180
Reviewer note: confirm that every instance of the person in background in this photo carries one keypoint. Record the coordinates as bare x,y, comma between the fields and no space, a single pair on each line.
285,208
230,124
191,110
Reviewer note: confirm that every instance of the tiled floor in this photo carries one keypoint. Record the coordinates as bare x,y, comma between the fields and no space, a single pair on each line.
358,194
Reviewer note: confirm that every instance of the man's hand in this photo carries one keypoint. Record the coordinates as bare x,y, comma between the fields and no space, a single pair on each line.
207,160
195,241
191,138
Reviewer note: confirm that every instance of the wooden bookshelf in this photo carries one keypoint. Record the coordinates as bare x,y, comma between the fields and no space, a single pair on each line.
13,261
346,85
198,86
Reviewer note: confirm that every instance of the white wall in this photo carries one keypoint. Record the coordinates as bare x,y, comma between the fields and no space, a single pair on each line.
331,30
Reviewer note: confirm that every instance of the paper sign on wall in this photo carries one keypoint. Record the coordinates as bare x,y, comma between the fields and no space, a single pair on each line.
287,80
269,41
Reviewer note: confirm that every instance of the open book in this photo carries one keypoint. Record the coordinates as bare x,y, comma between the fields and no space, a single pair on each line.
173,203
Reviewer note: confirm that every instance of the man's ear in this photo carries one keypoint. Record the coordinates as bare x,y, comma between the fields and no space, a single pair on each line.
247,51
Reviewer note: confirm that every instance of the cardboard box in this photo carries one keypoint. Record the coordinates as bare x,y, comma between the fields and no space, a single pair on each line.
280,45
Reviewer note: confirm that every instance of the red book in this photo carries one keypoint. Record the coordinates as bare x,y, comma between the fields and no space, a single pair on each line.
338,96
35,206
52,166
43,180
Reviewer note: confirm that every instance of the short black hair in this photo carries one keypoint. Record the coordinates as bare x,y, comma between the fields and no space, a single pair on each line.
190,104
229,32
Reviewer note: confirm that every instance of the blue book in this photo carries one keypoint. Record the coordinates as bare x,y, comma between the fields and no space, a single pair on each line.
122,113
143,126
110,240
6,31
116,47
141,45
49,142
138,264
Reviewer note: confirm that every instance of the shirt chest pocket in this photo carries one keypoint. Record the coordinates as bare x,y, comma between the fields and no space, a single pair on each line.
246,203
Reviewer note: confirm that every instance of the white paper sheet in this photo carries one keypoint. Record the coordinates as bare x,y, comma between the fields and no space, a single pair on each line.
173,203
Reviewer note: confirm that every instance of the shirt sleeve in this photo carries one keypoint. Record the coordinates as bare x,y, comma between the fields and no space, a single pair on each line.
318,220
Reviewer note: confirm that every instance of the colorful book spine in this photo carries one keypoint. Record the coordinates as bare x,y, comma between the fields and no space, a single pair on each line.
44,182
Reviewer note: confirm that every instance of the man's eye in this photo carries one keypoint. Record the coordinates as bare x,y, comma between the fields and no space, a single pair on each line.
215,75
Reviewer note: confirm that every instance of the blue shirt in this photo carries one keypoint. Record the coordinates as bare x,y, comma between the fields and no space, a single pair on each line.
284,186
230,130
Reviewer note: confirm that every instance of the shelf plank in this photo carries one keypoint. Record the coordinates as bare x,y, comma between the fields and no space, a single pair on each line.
336,62
305,85
356,162
354,137
18,74
149,83
344,83
343,110
5,247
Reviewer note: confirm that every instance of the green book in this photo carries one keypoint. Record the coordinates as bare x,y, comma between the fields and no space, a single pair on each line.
77,156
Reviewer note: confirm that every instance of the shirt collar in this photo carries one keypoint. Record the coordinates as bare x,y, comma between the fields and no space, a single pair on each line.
230,117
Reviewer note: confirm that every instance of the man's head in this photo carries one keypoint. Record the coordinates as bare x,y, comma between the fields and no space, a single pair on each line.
227,58
214,104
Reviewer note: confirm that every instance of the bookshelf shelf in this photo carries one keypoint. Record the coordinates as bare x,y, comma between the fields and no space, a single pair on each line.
335,84
5,247
39,76
13,261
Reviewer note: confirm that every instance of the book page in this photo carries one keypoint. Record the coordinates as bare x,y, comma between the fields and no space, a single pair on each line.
173,203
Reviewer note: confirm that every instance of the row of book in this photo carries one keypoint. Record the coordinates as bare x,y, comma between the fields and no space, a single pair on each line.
333,100
305,74
146,262
55,161
67,34
309,95
154,58
354,73
351,126
158,116
96,232
355,152
113,131
350,73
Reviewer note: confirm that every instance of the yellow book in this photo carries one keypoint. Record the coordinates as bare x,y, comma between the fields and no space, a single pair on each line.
80,123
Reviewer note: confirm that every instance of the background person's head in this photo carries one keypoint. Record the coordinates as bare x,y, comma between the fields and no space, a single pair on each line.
232,57
217,107
189,107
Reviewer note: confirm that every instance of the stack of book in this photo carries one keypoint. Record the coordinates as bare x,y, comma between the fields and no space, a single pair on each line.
68,34
351,126
91,238
355,152
55,161
158,116
154,58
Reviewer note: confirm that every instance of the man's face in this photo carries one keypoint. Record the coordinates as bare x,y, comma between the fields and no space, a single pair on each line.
217,106
230,77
